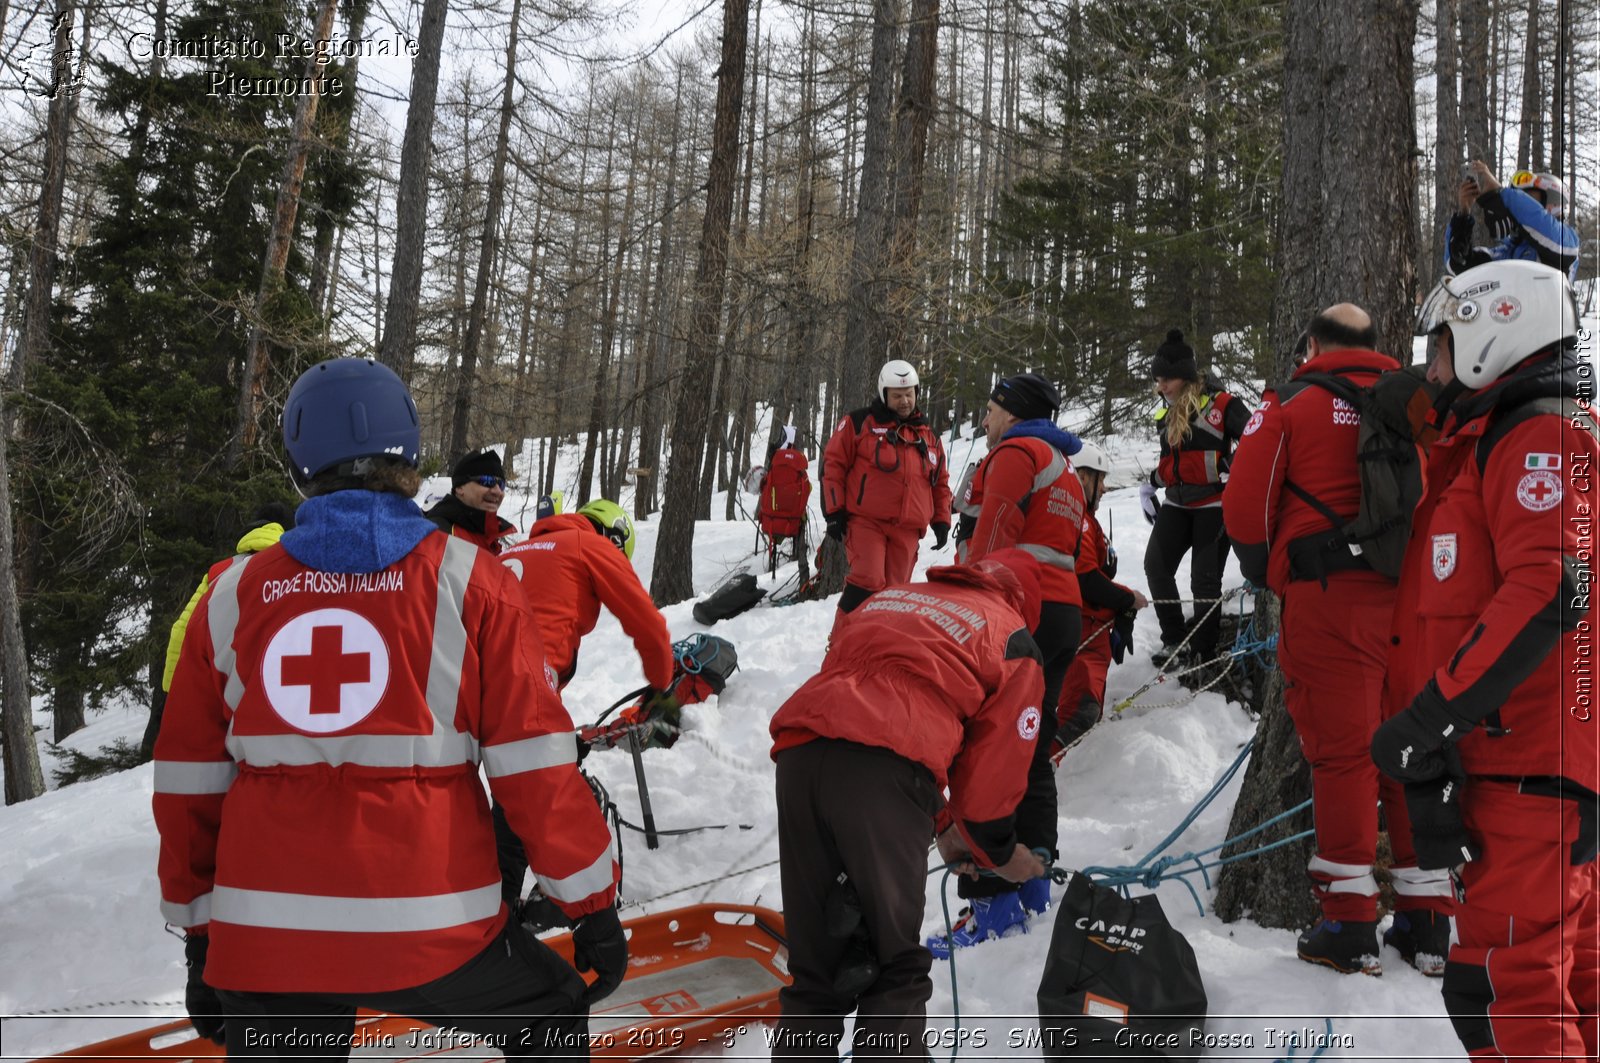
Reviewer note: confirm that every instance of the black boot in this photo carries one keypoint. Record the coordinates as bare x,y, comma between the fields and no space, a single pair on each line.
1349,947
1422,937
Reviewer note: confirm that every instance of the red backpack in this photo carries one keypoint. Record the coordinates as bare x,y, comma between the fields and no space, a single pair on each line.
785,490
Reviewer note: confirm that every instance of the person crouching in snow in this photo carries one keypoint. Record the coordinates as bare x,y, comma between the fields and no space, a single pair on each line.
929,685
570,565
1024,494
1106,604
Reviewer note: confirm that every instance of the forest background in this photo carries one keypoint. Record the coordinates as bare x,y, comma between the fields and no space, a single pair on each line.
564,221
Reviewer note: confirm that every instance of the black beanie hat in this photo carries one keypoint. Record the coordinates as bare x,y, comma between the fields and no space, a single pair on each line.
476,463
1175,359
1027,396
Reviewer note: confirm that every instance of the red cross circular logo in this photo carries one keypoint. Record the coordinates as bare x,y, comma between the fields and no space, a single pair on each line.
1505,309
325,670
1539,491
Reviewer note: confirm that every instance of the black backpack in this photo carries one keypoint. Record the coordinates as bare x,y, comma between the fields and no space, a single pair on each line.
1390,411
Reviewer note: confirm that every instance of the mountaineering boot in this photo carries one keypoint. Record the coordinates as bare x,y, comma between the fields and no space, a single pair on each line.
1422,937
1169,654
1035,895
989,917
1348,947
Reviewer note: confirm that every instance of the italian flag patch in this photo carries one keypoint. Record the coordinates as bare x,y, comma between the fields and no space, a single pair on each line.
1542,461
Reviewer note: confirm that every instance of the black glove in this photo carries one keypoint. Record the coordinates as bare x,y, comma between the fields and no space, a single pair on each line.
201,1001
598,944
1121,636
1437,832
941,534
1410,747
836,522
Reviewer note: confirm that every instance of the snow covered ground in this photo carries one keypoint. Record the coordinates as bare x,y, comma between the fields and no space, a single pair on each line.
81,938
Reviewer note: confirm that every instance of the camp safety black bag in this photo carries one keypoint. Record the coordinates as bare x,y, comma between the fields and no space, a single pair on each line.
1119,982
1389,412
733,597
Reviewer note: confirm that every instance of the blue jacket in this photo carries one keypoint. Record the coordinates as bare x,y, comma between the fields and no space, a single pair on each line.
1536,235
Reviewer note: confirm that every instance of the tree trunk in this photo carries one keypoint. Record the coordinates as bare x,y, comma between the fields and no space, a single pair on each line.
24,779
47,224
1349,239
864,335
411,207
673,577
253,381
488,245
911,146
1475,77
1447,127
1530,126
659,347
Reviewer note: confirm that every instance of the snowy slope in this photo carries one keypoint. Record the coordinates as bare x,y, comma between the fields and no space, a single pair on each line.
80,931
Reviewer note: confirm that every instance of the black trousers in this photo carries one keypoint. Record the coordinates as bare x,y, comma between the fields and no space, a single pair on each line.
866,813
1060,628
1177,532
517,995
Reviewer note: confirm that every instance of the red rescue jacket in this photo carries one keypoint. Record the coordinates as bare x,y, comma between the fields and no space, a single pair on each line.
317,783
568,570
489,531
1311,440
1026,495
1193,472
1498,579
943,673
882,468
1103,599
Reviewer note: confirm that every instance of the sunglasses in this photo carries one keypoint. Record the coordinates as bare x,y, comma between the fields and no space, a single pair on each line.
498,482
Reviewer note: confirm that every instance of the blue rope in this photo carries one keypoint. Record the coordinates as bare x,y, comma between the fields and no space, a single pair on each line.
1248,645
685,649
1155,868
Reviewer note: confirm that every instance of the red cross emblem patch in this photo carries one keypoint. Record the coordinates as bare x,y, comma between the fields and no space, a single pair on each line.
1505,309
1539,491
325,670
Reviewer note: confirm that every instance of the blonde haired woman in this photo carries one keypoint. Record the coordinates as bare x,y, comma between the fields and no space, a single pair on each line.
1198,429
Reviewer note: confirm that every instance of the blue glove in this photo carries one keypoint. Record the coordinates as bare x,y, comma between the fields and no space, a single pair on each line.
1149,502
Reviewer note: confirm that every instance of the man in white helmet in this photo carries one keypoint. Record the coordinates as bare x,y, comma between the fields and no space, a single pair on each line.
1499,748
884,484
1531,209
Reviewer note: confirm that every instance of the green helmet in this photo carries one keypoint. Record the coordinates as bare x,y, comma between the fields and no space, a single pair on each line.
613,522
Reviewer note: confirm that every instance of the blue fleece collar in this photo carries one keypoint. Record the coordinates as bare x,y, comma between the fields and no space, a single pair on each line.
355,531
1047,430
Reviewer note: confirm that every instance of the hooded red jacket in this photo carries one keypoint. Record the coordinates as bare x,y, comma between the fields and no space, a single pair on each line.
945,674
568,570
1310,439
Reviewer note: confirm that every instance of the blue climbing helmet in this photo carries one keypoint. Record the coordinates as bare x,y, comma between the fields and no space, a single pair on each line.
344,409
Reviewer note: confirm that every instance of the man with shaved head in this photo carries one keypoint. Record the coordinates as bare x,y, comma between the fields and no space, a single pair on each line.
1294,470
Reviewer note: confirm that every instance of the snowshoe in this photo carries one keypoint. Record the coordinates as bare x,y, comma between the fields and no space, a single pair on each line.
1422,937
988,918
1349,947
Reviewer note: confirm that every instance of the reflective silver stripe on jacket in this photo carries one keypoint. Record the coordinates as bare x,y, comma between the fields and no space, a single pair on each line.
195,777
1051,472
530,754
223,619
1049,555
574,888
361,915
442,748
196,913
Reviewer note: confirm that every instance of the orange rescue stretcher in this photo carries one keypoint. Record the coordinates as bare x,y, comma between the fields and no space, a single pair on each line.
697,977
